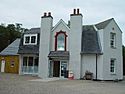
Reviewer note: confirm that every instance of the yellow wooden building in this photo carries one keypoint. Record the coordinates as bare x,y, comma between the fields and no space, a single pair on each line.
9,59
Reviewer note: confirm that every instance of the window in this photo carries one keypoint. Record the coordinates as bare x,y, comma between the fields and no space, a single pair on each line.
30,39
27,39
33,39
12,63
112,40
112,65
60,41
30,64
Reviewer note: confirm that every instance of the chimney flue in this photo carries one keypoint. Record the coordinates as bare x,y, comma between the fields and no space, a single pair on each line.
78,11
74,11
49,13
44,14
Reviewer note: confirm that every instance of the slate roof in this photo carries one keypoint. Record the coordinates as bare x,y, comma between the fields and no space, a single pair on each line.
30,49
90,41
103,24
12,49
56,54
32,31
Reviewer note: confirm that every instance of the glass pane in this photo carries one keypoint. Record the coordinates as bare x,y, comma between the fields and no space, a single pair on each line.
63,68
61,42
36,62
36,65
24,67
112,43
27,39
24,61
33,39
30,63
112,65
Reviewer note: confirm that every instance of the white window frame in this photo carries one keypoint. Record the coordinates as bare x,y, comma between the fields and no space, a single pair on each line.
113,39
113,66
30,35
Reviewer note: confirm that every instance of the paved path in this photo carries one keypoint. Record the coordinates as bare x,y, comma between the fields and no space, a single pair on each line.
15,84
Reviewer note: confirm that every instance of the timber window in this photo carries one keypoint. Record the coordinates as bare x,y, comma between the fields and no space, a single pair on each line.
30,39
60,41
112,65
30,65
113,40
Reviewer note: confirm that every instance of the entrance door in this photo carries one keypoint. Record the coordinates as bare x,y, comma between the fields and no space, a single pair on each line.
56,69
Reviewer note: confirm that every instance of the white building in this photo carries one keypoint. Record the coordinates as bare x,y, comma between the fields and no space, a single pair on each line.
73,47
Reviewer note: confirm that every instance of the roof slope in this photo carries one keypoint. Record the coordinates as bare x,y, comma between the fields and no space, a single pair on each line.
90,42
32,31
103,24
60,22
12,49
59,54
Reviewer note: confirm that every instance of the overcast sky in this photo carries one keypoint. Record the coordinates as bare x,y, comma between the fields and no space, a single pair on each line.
29,12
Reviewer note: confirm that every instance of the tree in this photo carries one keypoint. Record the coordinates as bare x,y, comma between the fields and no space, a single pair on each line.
8,34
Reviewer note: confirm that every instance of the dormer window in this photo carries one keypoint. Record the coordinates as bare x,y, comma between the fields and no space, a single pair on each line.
30,39
60,41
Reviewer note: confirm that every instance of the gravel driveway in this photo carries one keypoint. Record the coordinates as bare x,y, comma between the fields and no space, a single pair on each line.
15,84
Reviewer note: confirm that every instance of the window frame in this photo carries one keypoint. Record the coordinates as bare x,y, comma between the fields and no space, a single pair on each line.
113,66
56,40
30,36
113,39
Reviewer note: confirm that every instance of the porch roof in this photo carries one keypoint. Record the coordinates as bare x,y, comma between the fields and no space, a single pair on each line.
59,55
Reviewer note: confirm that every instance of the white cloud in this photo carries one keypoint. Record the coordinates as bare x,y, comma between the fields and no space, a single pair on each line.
28,12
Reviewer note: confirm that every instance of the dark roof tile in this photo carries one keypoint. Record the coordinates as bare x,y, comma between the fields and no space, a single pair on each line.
32,31
90,42
103,24
12,49
30,49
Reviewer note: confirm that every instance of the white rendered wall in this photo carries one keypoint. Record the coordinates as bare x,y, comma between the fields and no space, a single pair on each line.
100,57
75,45
100,67
44,49
112,53
89,64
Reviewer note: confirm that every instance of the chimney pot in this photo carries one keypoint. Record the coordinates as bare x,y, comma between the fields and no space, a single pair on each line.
78,11
45,14
74,11
49,13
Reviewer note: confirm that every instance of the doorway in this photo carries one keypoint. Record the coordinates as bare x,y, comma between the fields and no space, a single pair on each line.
56,69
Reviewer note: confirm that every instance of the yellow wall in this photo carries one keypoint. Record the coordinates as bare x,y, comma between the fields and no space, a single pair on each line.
11,63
